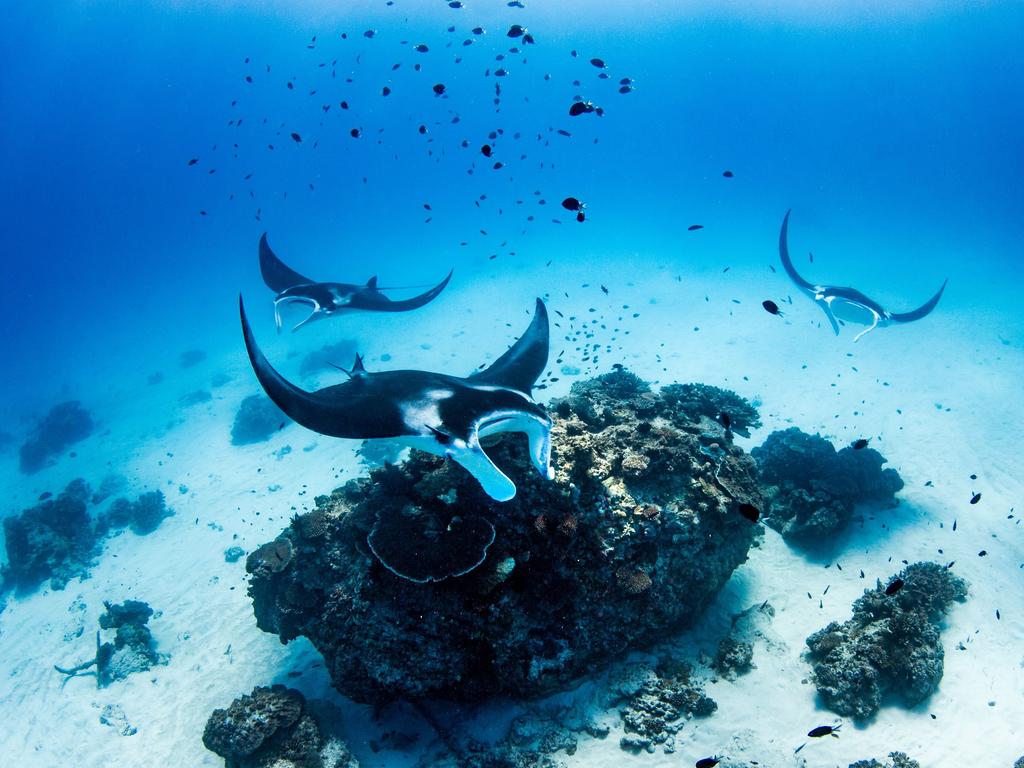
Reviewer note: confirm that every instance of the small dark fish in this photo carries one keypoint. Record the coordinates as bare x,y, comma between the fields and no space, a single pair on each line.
604,289
860,444
45,495
983,553
477,30
894,586
193,161
694,227
354,133
421,48
422,129
296,138
343,105
728,174
599,63
976,498
485,150
771,307
726,419
572,204
369,33
824,730
580,108
385,91
439,88
750,512
707,762
581,217
516,31
625,89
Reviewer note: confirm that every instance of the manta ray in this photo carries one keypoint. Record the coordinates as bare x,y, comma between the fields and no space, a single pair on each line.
848,304
435,412
330,298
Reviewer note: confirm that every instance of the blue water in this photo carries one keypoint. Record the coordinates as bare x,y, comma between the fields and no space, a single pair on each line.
893,134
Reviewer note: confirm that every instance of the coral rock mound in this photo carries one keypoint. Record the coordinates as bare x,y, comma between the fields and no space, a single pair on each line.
636,534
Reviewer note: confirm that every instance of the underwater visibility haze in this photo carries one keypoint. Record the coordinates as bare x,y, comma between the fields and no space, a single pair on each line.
484,384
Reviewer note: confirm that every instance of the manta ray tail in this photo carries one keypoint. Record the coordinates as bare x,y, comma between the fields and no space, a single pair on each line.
298,404
276,274
388,305
922,311
524,362
787,263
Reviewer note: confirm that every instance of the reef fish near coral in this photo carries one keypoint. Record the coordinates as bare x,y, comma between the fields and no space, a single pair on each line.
330,298
438,413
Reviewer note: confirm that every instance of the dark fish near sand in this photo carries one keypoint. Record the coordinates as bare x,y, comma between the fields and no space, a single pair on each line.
975,498
824,730
694,227
707,762
894,586
771,307
599,63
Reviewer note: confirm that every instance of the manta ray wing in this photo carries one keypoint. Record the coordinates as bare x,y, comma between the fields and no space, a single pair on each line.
524,362
922,311
787,262
372,298
278,276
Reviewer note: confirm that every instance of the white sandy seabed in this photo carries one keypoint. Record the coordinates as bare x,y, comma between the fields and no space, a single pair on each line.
941,400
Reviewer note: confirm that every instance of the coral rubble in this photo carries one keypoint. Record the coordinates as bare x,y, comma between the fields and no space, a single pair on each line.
657,709
898,760
53,540
257,419
891,644
65,424
272,728
636,534
812,489
132,650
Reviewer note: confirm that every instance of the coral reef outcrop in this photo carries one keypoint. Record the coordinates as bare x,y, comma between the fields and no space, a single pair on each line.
636,534
273,728
53,541
143,515
891,644
257,420
65,424
812,489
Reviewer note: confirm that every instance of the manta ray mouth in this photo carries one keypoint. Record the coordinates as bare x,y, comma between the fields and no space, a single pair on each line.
536,427
316,313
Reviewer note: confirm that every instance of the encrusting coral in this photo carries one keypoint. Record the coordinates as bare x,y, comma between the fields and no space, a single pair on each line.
891,644
572,572
273,728
812,489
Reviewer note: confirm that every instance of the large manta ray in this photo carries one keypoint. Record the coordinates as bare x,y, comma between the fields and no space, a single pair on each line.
848,304
330,298
435,412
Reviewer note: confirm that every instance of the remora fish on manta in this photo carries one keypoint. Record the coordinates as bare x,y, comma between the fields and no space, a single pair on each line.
442,414
849,304
330,298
